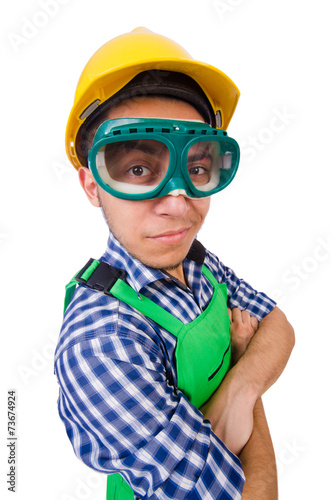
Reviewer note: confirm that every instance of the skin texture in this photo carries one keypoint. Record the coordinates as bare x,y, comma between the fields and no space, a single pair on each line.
159,233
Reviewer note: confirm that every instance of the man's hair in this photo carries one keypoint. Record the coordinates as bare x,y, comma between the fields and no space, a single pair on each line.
156,83
87,136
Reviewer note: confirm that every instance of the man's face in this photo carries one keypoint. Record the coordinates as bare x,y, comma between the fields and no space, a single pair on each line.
158,232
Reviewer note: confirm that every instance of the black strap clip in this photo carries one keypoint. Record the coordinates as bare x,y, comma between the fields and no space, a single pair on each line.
102,278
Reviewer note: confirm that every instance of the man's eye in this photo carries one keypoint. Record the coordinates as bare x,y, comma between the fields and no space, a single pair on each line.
198,170
138,170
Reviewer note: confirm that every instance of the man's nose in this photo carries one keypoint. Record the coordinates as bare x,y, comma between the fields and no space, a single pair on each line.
175,204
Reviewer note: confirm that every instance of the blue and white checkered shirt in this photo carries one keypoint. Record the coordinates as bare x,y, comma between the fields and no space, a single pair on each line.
117,377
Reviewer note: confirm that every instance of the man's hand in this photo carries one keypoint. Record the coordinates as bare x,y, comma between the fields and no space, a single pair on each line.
231,415
243,327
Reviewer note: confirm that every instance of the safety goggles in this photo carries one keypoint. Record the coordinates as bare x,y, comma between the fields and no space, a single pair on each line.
146,158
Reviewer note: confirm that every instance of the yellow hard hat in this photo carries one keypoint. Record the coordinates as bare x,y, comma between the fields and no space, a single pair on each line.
121,59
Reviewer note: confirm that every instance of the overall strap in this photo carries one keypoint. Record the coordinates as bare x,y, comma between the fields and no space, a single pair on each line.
96,275
147,307
110,281
210,277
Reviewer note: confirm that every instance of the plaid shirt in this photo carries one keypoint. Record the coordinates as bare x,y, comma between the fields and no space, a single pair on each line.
117,376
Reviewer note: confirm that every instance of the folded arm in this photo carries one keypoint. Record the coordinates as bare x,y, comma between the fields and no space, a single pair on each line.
257,456
230,409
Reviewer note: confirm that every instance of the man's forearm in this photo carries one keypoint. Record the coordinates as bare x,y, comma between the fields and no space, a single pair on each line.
258,460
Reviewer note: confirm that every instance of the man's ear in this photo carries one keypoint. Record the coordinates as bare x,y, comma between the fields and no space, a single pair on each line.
89,185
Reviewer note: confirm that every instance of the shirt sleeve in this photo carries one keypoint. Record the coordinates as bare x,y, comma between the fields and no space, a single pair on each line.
122,415
240,293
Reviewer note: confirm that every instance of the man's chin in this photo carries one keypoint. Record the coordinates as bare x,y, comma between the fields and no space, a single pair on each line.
167,261
162,264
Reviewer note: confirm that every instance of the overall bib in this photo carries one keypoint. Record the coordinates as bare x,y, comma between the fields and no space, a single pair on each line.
203,349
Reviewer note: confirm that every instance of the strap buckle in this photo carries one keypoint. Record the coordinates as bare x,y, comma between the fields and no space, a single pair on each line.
99,276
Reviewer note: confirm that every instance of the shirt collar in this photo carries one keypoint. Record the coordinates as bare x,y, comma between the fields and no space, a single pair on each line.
138,274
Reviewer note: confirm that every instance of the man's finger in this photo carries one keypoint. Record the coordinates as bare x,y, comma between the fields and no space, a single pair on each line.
254,322
236,314
230,314
246,317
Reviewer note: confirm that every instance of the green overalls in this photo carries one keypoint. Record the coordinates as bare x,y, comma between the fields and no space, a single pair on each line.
203,349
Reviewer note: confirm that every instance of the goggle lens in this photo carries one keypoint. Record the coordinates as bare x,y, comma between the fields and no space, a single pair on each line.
210,164
133,166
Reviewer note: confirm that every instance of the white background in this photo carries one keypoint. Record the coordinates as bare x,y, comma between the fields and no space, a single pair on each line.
272,225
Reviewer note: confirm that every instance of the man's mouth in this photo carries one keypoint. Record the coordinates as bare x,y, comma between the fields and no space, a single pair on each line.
172,237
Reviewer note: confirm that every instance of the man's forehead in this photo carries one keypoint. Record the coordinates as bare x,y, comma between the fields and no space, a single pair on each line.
155,107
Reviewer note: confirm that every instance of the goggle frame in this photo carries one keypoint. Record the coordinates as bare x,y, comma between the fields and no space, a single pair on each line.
178,135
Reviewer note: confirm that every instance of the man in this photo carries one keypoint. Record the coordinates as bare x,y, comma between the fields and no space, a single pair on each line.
145,340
